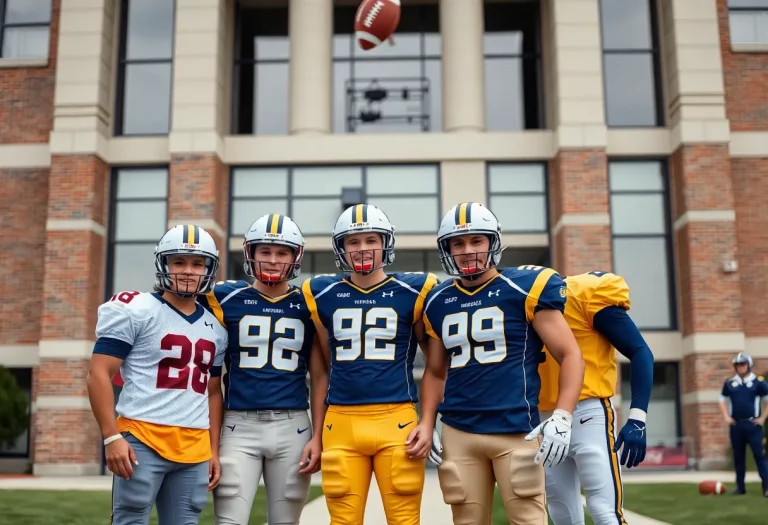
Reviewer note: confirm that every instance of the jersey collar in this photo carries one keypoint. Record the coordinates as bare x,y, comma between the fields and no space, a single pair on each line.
191,318
749,379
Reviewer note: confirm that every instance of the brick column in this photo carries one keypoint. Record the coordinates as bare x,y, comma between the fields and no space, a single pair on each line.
703,215
199,182
578,177
66,438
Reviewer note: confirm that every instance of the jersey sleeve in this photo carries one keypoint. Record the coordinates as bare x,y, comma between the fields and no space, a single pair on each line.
431,315
430,281
612,290
309,298
762,387
546,293
211,301
221,350
116,330
724,393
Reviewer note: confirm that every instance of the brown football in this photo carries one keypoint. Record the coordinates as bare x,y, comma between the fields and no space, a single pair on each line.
711,487
375,22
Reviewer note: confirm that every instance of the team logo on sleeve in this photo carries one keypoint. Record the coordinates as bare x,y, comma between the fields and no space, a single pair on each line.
562,291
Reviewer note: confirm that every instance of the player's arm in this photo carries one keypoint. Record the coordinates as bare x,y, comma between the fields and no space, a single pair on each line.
318,380
725,403
419,329
545,311
216,396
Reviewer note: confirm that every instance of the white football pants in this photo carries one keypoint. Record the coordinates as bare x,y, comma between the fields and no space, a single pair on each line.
592,464
269,442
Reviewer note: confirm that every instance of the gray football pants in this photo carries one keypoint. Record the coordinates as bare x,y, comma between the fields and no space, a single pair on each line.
268,442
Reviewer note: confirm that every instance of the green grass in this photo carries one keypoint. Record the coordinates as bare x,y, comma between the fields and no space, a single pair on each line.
40,507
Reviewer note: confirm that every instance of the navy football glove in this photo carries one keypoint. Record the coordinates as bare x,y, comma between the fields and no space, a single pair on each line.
632,436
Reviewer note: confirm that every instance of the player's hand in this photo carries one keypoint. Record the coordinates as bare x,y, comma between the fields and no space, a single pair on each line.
120,458
419,441
556,432
214,472
436,450
632,436
310,458
730,420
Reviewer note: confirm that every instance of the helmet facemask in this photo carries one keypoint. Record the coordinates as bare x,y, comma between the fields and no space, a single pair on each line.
368,263
472,265
168,281
259,271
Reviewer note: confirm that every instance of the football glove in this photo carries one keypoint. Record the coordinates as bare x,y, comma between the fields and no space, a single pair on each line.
436,450
632,436
556,432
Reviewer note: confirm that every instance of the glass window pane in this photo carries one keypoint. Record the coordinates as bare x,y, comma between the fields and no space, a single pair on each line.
520,213
433,69
410,214
503,43
27,11
626,24
149,183
391,180
260,182
342,46
270,106
324,262
341,73
407,261
630,90
516,178
433,44
643,264
636,176
150,29
140,221
26,42
147,99
504,108
316,216
20,446
748,3
633,214
245,212
235,267
405,45
326,181
748,27
272,48
134,268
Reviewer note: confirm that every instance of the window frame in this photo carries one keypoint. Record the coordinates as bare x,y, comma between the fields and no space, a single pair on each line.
4,25
545,194
744,9
122,66
290,198
112,243
533,82
667,235
660,118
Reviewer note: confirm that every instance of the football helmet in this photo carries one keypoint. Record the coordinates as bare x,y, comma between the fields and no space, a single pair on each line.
362,218
186,239
274,229
469,218
743,358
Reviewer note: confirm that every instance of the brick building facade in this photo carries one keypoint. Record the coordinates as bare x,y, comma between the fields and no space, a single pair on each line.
606,134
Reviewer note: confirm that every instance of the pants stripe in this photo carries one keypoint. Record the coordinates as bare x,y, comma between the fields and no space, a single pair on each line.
610,425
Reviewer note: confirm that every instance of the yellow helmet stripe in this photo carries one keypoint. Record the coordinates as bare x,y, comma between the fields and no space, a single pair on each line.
464,213
275,222
360,213
191,233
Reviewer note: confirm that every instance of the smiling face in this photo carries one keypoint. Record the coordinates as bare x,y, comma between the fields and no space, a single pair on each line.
470,252
272,262
364,251
186,272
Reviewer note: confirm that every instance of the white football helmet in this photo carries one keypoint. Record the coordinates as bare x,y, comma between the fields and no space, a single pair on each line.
362,218
469,218
186,239
743,358
274,229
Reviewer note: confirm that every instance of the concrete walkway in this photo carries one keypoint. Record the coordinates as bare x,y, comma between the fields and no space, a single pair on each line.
434,510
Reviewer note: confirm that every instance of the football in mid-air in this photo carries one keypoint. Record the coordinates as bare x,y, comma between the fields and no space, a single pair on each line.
375,22
711,487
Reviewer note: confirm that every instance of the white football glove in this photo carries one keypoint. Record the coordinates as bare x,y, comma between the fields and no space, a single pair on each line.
436,450
556,432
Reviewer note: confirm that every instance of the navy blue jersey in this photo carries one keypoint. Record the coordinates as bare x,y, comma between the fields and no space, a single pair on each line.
270,340
493,380
745,396
370,334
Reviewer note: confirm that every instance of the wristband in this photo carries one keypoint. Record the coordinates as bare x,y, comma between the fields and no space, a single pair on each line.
112,439
638,414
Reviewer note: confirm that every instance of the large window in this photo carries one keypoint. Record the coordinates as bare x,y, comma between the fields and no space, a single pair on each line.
512,66
664,410
139,219
26,28
20,448
641,240
517,195
262,52
748,20
392,88
146,67
312,196
631,63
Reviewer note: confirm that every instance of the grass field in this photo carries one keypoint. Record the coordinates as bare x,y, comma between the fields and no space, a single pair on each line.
37,507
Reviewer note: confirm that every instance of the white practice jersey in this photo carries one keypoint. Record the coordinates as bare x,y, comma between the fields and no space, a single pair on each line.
167,357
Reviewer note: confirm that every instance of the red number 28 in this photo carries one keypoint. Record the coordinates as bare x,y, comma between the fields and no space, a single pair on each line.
201,356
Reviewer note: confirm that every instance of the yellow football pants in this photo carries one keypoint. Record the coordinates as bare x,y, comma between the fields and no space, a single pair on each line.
358,440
